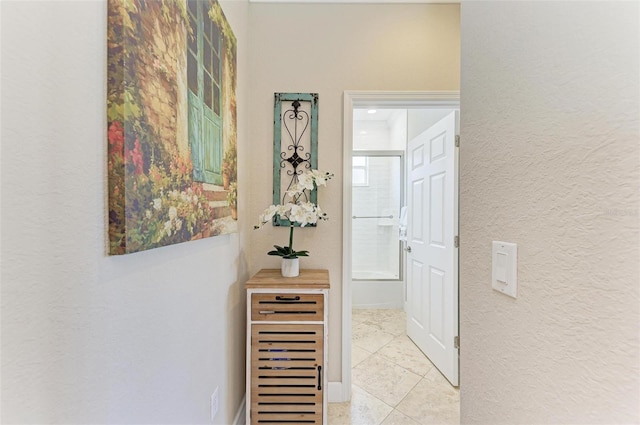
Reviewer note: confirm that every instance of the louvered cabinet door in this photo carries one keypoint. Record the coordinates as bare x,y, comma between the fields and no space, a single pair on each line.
287,373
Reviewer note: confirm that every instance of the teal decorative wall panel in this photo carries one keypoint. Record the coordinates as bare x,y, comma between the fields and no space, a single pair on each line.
295,143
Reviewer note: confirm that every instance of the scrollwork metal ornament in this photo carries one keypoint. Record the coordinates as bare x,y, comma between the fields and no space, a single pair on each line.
295,143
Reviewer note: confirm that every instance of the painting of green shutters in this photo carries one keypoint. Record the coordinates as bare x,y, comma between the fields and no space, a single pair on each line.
205,101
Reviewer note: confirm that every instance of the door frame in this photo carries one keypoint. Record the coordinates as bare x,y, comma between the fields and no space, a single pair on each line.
341,391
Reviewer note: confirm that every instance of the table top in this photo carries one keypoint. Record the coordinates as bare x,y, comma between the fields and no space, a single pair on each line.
308,279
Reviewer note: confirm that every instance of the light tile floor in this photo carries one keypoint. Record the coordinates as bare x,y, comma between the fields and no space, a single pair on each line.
393,383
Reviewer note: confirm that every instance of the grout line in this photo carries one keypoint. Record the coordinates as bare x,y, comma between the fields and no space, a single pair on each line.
385,418
407,394
371,395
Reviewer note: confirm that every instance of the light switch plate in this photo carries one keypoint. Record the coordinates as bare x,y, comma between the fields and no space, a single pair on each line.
504,268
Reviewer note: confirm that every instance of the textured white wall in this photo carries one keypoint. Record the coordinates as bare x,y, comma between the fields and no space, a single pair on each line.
329,48
86,338
550,161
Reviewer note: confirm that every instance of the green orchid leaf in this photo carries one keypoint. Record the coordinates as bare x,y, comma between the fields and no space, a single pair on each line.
302,253
282,250
278,253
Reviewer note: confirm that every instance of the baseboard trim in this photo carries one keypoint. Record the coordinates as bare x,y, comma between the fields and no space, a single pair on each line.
390,305
240,418
337,394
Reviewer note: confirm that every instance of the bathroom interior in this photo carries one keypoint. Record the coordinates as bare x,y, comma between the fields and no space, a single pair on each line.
386,365
380,138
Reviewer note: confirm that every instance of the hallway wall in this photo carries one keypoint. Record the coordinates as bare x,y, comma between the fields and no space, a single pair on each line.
87,338
327,49
550,160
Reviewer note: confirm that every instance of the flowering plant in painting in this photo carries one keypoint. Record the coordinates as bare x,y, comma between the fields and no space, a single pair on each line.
299,213
164,205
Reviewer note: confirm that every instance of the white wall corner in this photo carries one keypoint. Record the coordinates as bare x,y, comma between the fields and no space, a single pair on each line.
240,418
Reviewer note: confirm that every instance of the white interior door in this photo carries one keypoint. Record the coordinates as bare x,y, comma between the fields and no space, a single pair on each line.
432,257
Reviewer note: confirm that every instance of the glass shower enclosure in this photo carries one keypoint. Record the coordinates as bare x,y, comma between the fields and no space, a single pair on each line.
378,182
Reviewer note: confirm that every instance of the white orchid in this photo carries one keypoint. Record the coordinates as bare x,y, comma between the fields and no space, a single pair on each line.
297,212
306,213
305,181
308,181
320,178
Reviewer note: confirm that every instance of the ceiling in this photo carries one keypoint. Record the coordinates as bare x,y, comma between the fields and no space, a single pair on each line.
355,1
379,115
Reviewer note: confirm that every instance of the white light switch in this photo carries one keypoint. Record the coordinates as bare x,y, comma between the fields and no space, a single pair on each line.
501,267
504,270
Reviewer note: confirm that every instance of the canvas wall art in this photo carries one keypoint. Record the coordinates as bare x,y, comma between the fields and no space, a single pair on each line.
171,112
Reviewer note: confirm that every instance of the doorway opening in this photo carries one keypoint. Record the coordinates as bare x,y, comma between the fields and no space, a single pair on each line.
374,271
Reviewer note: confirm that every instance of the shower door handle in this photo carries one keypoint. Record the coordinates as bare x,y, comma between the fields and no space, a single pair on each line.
408,249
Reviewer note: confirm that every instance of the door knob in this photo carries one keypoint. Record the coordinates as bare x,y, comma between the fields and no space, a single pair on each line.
408,249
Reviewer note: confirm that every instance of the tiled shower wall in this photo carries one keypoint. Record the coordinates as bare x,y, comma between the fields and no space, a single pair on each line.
375,240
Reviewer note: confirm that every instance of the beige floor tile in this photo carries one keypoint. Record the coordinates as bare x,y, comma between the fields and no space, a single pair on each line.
432,401
384,379
435,376
360,315
358,355
364,409
369,338
398,418
403,352
385,376
387,320
372,314
339,413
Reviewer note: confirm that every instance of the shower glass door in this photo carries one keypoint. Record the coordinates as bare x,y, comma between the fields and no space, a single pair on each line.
377,196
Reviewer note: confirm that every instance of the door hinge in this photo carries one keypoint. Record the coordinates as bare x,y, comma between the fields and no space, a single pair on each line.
456,241
456,342
457,141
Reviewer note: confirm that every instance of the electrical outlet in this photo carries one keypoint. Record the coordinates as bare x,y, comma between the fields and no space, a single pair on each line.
214,404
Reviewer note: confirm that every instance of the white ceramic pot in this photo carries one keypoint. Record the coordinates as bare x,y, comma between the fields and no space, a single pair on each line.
290,267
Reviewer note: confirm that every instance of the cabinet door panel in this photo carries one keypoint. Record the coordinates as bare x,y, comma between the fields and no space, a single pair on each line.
287,373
